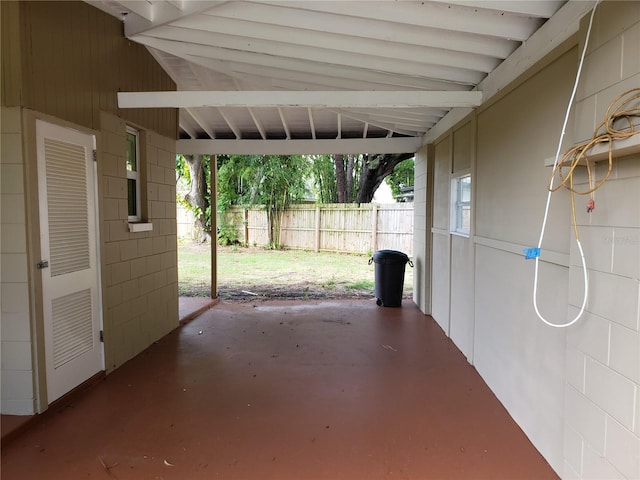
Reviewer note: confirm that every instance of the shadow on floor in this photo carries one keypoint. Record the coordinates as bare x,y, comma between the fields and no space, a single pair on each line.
286,390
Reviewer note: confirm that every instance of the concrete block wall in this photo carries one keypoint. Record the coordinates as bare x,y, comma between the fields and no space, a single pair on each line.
602,393
18,397
140,280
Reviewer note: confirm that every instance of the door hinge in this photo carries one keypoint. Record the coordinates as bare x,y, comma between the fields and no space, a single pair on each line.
102,336
95,155
42,264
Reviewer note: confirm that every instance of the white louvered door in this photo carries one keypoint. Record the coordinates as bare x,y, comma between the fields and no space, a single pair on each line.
69,265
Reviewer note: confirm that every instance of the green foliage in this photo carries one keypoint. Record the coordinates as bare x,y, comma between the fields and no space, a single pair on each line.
324,178
402,176
227,234
274,181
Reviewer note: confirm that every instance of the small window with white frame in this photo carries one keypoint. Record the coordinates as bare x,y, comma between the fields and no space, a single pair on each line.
461,205
133,175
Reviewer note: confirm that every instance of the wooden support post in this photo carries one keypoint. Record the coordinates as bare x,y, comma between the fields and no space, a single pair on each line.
245,222
374,227
317,229
214,227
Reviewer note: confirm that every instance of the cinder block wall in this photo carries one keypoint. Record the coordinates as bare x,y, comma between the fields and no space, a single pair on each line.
139,270
17,367
602,393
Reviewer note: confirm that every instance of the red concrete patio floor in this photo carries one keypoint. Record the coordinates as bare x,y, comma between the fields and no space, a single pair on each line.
325,390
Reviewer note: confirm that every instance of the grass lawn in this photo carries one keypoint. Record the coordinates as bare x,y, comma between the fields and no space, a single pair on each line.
254,272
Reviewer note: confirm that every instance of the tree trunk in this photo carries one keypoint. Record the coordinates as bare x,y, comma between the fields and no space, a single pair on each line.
197,194
350,163
340,179
375,169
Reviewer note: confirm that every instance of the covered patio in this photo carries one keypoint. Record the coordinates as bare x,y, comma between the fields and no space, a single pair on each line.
285,390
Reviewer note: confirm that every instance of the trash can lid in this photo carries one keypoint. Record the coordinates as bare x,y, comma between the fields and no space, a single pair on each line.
390,256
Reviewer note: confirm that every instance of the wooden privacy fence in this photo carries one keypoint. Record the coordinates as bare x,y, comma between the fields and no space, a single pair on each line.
340,227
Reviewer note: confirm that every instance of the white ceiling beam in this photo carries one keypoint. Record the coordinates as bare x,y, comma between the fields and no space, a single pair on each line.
284,123
312,126
385,120
236,131
533,8
299,147
327,99
429,14
382,125
339,126
366,130
298,43
201,123
163,13
187,128
434,115
279,15
258,124
389,65
564,24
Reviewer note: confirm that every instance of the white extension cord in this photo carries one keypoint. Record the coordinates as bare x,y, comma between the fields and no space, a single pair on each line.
546,210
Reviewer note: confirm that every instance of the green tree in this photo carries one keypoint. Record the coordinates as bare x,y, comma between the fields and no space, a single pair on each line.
274,181
357,177
402,176
324,178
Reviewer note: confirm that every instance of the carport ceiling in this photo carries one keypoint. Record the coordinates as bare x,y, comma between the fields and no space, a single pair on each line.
334,76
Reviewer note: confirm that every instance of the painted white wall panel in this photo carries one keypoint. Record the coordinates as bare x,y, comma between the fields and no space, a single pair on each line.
462,292
521,359
440,280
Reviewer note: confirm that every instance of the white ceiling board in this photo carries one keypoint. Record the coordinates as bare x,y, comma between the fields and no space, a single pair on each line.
532,8
282,15
255,72
433,15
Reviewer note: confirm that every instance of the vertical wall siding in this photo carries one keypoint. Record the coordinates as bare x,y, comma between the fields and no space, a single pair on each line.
76,59
10,54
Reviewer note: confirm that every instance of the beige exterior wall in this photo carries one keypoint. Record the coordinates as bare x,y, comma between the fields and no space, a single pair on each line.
64,62
18,395
602,392
575,392
139,274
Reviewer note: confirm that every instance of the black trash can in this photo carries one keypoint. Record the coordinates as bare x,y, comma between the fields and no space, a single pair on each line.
389,271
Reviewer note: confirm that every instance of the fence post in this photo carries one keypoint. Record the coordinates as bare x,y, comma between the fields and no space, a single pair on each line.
245,223
374,227
317,229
